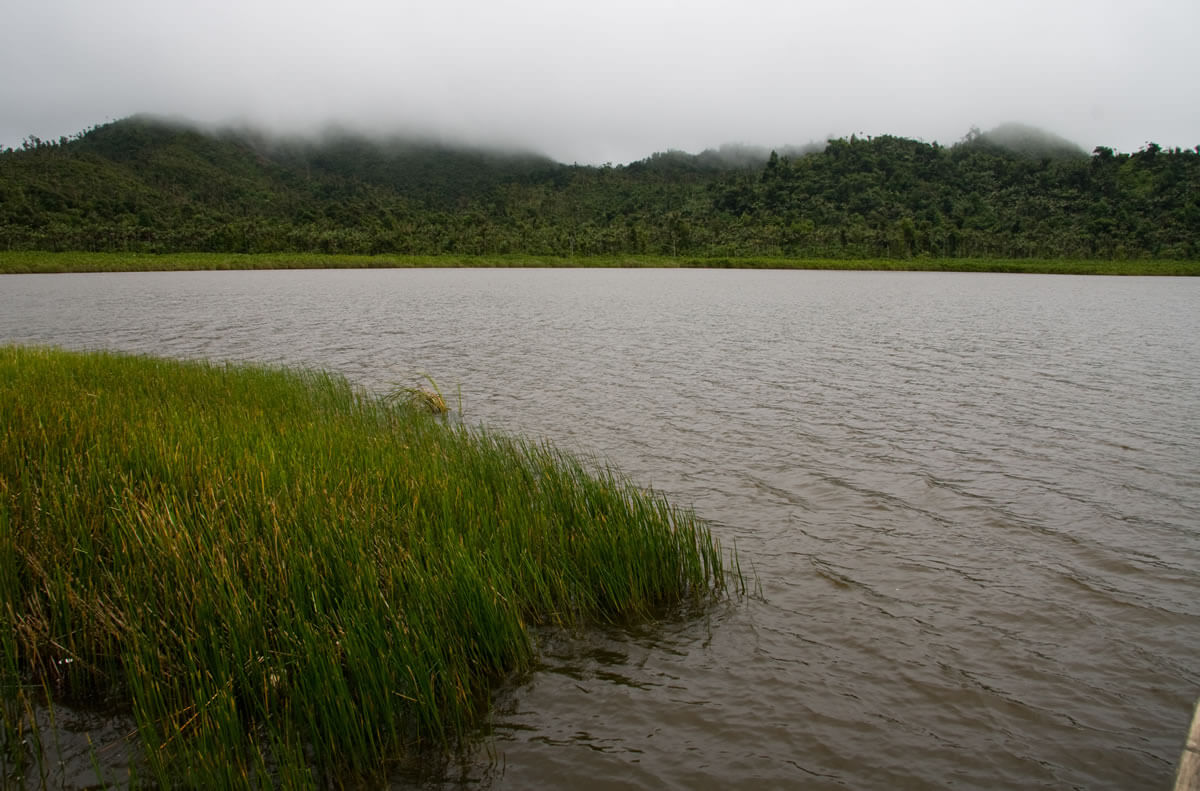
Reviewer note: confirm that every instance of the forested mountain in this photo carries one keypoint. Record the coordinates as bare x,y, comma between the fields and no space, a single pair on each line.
144,184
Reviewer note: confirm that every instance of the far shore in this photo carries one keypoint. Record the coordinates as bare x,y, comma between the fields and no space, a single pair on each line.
39,262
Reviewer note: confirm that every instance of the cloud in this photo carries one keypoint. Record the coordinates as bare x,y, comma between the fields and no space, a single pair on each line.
616,81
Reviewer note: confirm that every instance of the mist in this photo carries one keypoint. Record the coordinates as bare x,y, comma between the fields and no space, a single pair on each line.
614,82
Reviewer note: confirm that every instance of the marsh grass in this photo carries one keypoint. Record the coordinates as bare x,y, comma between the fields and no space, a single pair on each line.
284,581
34,262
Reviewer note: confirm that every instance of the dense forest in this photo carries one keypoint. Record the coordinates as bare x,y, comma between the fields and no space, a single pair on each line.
143,184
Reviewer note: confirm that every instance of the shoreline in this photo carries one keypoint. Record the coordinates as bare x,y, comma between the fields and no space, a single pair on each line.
41,262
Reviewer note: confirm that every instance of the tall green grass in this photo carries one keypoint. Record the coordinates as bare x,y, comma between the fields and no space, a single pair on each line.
34,262
285,581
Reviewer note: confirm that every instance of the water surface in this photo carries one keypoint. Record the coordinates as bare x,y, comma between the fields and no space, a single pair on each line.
972,501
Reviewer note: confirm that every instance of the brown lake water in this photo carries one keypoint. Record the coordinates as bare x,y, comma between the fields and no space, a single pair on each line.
972,502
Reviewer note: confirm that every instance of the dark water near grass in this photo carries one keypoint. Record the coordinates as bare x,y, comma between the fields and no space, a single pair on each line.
972,501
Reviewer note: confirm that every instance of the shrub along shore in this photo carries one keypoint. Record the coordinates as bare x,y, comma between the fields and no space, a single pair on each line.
34,262
285,581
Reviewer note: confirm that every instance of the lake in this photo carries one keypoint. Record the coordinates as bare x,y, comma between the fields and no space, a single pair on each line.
971,503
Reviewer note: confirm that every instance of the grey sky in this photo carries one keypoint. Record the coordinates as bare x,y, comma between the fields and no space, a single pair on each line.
615,80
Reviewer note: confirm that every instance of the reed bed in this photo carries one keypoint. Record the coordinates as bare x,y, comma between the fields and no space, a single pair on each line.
285,581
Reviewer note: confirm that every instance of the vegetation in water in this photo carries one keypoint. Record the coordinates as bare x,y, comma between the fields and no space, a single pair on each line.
143,185
287,582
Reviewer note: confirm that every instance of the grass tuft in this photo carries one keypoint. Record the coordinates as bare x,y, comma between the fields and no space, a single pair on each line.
284,581
424,399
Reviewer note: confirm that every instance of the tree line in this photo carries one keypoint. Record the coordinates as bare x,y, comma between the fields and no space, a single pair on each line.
145,185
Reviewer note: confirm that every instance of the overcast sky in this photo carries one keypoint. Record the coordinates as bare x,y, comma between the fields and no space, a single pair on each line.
615,80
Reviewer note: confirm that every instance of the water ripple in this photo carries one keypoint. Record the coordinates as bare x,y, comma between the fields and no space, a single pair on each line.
971,502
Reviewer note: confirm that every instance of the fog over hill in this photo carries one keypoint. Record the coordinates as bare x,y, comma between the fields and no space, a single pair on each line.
1030,141
398,146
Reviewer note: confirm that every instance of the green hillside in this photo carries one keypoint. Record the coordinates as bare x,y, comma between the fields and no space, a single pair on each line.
147,185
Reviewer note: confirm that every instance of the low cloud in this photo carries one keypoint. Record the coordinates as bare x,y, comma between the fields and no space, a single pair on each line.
611,82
